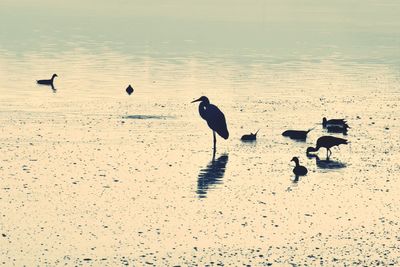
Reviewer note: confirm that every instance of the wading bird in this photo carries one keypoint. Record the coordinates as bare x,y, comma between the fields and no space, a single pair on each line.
298,169
249,137
327,142
214,117
48,82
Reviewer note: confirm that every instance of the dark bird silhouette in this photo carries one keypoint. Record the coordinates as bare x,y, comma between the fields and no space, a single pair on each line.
129,90
296,135
334,122
327,142
298,169
214,117
211,175
249,137
48,82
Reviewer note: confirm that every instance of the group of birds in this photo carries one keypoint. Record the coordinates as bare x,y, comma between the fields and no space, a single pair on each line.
217,122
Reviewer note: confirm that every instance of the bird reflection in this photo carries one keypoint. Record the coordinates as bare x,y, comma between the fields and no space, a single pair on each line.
327,163
211,175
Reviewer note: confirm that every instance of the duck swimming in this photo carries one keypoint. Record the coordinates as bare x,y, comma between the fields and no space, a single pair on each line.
296,134
249,137
327,142
48,82
298,169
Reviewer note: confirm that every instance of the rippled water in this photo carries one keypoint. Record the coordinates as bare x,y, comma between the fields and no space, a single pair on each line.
92,176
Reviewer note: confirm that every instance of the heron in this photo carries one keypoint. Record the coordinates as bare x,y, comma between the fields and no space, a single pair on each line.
298,169
327,142
48,82
214,118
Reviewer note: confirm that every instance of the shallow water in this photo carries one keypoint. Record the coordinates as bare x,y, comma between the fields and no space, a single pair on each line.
92,176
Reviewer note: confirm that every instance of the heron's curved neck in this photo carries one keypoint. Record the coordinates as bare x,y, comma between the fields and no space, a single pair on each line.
296,162
202,109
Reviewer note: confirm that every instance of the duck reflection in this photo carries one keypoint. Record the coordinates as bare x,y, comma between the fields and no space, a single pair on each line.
211,175
327,163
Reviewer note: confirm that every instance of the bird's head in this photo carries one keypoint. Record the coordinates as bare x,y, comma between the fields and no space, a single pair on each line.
202,99
324,120
54,75
295,159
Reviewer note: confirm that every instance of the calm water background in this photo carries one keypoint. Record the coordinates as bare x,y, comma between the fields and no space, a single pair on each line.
91,176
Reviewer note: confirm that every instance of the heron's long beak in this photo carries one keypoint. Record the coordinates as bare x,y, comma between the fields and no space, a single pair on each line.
197,100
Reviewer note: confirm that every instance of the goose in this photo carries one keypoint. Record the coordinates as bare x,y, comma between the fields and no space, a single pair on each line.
298,169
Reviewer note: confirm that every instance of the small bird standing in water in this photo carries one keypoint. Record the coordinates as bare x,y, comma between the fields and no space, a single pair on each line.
48,82
129,89
298,169
214,118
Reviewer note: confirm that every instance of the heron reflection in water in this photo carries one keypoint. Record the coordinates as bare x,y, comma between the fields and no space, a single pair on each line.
211,175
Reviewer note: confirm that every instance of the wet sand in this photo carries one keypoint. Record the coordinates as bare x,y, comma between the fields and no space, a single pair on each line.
91,176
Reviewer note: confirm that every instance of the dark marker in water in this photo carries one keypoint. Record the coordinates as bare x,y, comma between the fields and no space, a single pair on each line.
129,89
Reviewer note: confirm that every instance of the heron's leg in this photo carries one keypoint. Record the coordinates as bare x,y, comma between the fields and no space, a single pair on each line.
215,145
215,141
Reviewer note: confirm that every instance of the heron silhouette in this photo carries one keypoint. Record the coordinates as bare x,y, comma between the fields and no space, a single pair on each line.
327,142
48,82
214,118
